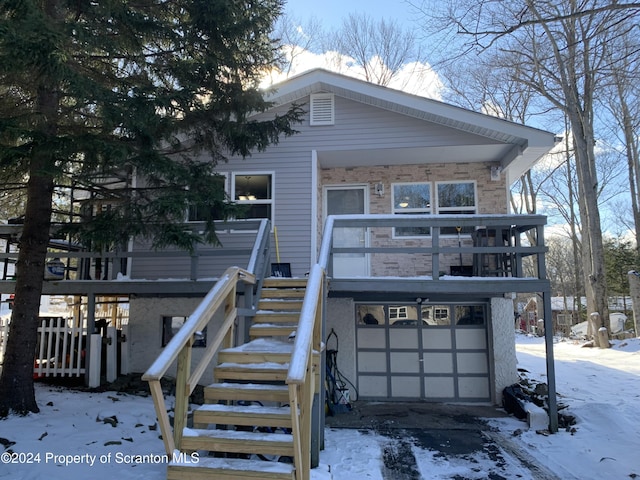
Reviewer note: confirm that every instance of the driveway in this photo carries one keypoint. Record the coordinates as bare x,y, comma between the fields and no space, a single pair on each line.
457,434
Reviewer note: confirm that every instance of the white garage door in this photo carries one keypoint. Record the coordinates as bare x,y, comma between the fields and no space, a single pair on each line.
444,356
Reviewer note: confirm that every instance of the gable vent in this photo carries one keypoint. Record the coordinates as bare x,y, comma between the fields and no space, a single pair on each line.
322,109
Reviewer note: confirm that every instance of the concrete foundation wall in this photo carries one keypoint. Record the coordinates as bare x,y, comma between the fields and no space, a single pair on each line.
503,344
341,318
145,330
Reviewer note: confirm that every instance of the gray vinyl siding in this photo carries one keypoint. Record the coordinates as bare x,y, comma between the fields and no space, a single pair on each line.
357,126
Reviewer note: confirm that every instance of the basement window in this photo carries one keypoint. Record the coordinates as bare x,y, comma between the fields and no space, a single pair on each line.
171,325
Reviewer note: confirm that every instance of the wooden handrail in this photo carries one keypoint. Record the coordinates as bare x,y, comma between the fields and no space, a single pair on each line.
301,373
303,344
197,320
223,294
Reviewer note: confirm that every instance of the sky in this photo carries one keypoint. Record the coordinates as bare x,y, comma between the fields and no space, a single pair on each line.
598,386
331,12
414,77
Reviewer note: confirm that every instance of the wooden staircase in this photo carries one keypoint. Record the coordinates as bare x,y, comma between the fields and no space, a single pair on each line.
244,429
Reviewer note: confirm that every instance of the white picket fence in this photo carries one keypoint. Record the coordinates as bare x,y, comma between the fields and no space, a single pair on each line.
62,347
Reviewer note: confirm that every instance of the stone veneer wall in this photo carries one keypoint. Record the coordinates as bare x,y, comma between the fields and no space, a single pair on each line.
492,199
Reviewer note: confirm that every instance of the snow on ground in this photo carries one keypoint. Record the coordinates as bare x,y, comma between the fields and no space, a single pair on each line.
81,435
601,388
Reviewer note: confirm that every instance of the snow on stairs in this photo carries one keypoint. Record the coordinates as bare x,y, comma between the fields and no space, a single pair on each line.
279,307
242,432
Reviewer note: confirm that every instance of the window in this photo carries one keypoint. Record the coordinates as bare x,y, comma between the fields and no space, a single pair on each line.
370,315
470,315
456,198
397,313
255,190
436,315
428,315
210,208
171,325
411,199
564,319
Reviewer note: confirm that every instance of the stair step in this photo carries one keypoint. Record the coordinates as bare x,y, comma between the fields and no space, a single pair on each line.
280,305
271,330
282,293
280,282
253,357
246,415
246,392
263,372
267,316
234,441
230,468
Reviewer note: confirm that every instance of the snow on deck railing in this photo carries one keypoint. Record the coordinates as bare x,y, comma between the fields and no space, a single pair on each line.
303,343
301,375
259,246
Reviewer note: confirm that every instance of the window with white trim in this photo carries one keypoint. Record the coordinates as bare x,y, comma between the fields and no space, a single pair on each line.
456,198
564,319
255,191
209,210
398,313
411,199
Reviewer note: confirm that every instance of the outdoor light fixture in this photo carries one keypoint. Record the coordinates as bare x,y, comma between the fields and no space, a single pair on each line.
247,195
379,189
495,173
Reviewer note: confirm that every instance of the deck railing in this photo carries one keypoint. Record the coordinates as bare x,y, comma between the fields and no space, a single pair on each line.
444,245
75,261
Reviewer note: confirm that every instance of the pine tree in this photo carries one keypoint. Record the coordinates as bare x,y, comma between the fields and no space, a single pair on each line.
96,92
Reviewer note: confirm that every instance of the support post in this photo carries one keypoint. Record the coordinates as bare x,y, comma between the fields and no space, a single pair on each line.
124,350
91,328
552,401
95,353
112,354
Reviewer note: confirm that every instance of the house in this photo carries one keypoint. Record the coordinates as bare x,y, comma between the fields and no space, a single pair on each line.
402,202
568,317
366,149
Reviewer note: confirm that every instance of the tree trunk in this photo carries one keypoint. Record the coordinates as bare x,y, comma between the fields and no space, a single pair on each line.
16,382
592,243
